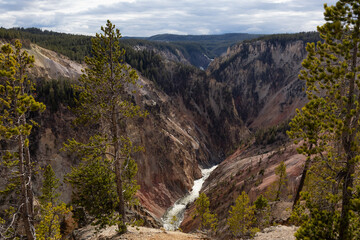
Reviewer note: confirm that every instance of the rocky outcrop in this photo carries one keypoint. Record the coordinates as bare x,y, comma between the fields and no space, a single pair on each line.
263,77
277,232
134,233
51,65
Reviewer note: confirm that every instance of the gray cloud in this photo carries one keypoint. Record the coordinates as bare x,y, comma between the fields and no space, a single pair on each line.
145,17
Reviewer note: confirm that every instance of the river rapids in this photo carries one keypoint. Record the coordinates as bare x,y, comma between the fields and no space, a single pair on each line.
175,214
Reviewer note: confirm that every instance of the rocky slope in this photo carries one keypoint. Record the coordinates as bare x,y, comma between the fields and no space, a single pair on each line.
176,139
263,77
134,233
254,175
51,65
196,118
277,232
272,233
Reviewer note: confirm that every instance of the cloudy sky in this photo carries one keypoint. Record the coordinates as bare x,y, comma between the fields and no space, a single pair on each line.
150,17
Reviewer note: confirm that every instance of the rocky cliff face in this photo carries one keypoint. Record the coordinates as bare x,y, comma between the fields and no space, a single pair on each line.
263,77
199,119
195,55
183,130
178,135
51,65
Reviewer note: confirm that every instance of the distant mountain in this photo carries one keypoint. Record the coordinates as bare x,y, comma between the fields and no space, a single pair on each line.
235,37
197,50
214,45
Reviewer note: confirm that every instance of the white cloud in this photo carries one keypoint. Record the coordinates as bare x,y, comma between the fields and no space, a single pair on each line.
277,1
146,17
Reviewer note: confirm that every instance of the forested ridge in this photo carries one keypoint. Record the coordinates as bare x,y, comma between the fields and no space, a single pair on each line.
76,47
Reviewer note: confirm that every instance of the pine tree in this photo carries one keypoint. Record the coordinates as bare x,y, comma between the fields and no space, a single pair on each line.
95,189
51,209
103,103
262,212
16,102
329,122
242,217
321,223
278,189
281,182
202,210
50,185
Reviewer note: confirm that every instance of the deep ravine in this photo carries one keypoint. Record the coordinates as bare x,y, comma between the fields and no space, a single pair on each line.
175,214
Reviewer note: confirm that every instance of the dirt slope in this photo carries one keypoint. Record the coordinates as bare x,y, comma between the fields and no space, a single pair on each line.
139,233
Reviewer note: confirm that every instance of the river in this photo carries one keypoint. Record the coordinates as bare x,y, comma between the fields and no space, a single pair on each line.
175,214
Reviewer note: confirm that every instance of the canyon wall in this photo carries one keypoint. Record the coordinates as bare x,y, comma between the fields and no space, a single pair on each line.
195,118
263,78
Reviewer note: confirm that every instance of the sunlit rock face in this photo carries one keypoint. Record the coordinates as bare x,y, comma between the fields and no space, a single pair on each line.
263,77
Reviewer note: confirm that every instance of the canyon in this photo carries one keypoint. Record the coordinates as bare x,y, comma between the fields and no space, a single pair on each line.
197,119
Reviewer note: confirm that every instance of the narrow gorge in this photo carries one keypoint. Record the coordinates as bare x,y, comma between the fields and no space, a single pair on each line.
232,116
174,215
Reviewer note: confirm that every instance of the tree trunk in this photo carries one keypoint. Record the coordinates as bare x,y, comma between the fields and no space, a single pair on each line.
121,209
117,162
344,233
29,183
302,182
348,139
25,211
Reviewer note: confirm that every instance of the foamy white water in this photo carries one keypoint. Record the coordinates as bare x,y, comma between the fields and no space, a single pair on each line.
178,209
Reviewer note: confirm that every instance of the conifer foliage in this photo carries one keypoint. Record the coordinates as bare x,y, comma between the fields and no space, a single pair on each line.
103,104
280,172
16,102
329,123
242,217
51,209
202,209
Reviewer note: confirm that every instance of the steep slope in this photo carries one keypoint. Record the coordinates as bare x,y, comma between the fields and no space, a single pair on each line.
51,65
190,126
196,118
178,134
254,175
263,77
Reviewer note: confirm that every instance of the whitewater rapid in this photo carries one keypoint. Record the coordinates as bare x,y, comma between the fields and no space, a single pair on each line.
178,209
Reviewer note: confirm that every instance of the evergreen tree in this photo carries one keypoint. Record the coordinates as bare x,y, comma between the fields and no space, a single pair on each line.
242,217
103,103
50,185
262,212
329,122
207,219
16,102
278,189
323,223
281,182
51,209
95,189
